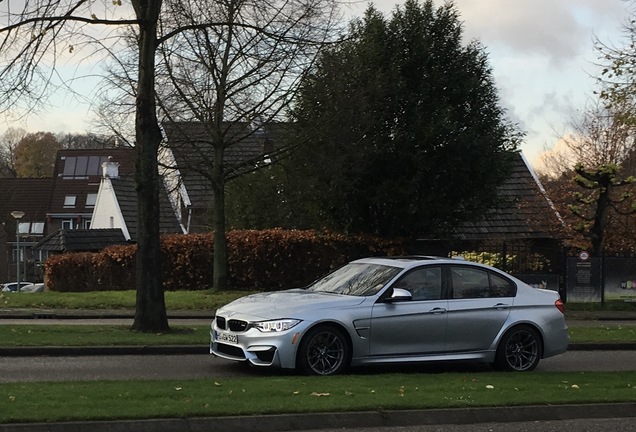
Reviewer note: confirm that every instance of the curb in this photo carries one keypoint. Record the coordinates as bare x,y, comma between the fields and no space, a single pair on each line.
299,422
55,351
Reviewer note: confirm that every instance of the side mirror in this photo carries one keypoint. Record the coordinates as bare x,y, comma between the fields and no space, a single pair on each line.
399,295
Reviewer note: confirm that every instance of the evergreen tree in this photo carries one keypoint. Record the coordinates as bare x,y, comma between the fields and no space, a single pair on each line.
400,131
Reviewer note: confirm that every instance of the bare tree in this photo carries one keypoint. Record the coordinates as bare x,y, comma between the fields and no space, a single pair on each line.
35,34
589,180
593,207
599,136
8,151
32,36
223,88
87,141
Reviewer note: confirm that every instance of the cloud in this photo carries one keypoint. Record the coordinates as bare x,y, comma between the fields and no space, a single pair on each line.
555,160
559,30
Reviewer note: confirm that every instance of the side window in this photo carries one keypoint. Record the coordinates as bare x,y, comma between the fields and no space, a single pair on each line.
424,283
501,287
469,283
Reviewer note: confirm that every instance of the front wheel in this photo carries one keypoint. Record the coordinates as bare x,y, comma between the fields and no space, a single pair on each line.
324,351
520,350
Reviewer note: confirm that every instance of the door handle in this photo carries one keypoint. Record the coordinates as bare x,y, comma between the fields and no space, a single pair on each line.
437,311
501,306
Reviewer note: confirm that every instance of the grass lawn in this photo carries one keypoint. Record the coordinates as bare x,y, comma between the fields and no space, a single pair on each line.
116,300
29,335
32,335
34,402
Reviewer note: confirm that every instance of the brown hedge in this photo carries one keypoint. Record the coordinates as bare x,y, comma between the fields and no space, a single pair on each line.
264,260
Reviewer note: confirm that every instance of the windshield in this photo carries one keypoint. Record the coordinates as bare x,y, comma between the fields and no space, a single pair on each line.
356,280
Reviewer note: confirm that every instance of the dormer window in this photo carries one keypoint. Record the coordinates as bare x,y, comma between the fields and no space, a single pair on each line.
91,199
69,201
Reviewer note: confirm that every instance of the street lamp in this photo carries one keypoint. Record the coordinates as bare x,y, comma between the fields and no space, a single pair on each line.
17,215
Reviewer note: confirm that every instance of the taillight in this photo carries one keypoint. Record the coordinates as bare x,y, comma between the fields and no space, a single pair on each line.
560,305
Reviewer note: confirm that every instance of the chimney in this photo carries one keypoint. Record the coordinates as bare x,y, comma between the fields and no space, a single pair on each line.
110,169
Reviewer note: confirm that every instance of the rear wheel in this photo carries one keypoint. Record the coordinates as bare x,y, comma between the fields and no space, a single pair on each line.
520,350
324,351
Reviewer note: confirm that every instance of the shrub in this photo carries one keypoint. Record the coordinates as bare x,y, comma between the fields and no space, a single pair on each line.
266,260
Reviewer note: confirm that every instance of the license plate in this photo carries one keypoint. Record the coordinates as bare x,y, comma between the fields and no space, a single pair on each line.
226,337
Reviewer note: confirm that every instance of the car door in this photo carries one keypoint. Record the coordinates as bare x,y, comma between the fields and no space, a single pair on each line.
416,326
479,306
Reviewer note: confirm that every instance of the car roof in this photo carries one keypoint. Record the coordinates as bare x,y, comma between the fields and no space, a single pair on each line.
407,261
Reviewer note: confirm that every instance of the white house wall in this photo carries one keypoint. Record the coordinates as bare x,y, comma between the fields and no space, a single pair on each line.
177,193
107,213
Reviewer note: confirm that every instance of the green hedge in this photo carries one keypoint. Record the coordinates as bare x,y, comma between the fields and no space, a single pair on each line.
265,260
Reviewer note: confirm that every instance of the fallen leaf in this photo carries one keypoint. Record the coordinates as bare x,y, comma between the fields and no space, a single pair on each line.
319,394
490,387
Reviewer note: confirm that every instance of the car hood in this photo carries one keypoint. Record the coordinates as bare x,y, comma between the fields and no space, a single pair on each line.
286,304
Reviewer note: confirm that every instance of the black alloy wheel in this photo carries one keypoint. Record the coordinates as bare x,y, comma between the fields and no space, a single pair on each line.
520,350
324,351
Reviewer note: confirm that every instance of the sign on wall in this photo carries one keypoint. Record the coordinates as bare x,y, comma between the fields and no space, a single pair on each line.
583,281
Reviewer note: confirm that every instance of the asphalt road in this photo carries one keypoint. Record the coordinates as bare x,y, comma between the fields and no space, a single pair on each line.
87,368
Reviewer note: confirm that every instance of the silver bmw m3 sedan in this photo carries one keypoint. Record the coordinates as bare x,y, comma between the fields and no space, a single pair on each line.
392,310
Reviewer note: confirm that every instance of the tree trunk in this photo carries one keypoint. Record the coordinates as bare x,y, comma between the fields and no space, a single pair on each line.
150,315
600,218
220,274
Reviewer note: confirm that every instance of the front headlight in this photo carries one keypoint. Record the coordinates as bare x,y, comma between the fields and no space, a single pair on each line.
276,325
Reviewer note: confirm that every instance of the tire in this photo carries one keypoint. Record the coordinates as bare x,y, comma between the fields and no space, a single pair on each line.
324,350
520,350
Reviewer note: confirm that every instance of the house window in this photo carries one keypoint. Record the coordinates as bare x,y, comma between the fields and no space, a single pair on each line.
67,224
18,255
86,223
69,201
40,255
24,227
37,228
91,199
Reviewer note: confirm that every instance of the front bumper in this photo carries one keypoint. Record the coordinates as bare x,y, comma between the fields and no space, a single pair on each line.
256,347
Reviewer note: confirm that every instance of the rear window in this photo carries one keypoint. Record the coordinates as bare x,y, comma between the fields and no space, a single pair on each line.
477,283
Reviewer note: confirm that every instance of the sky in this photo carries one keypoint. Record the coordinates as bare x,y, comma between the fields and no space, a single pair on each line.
541,53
